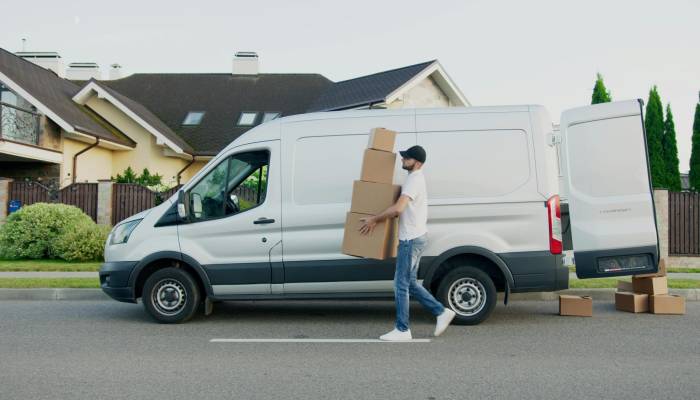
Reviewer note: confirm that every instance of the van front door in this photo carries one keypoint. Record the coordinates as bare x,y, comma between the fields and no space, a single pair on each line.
234,220
611,203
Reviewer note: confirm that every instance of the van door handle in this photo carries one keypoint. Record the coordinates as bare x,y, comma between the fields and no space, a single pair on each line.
263,220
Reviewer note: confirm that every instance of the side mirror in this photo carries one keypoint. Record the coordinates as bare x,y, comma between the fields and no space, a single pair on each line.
235,201
181,204
196,205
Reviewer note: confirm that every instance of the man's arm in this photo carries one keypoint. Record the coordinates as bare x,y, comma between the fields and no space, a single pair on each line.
392,212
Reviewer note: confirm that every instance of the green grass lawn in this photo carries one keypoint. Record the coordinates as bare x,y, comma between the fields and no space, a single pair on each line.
612,282
48,265
669,270
23,283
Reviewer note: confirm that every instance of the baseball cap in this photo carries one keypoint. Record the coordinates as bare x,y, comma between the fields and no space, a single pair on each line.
415,152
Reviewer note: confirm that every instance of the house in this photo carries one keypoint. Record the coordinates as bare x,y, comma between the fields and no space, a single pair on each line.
66,126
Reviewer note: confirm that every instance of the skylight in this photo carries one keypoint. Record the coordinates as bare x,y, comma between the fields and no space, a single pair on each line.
269,116
193,118
247,118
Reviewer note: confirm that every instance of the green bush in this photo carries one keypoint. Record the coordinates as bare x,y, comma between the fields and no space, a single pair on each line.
34,231
84,242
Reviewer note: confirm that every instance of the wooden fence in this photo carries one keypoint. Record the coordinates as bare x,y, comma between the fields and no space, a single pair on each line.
28,193
683,224
81,195
131,198
128,198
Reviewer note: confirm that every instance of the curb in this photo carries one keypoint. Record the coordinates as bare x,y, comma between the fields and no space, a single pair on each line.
53,294
45,294
607,294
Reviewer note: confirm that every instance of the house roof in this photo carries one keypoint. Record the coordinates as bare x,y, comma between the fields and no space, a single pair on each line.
366,89
222,96
53,96
144,115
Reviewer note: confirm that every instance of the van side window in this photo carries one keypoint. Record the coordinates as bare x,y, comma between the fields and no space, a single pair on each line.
236,185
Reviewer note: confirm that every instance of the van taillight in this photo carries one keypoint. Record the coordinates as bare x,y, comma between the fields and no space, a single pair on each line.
554,217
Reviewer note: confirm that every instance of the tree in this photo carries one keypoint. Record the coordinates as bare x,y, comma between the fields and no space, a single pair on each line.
146,178
654,125
694,175
600,93
128,177
670,151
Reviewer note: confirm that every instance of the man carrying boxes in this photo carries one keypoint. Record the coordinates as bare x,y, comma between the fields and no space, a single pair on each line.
374,188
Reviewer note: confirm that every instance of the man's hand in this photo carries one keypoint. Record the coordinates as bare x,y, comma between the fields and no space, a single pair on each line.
368,225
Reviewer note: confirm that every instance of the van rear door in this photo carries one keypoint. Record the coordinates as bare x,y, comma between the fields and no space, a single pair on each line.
611,202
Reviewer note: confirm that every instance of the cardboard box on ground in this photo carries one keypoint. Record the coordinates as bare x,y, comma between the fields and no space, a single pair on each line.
648,293
371,195
579,306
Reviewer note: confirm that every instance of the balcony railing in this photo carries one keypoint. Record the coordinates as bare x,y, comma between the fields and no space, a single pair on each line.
19,125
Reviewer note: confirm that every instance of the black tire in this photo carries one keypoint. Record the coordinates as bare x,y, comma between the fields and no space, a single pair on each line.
179,295
478,298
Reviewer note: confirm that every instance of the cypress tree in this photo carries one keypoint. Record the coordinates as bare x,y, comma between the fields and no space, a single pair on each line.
694,175
654,125
670,151
600,93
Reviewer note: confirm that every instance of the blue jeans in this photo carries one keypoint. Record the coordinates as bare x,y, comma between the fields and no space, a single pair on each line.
405,282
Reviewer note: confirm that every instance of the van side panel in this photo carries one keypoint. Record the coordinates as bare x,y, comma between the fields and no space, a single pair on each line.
321,159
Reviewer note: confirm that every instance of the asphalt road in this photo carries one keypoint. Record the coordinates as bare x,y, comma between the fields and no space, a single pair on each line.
110,350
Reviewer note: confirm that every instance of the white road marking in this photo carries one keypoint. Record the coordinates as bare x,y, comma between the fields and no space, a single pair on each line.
314,341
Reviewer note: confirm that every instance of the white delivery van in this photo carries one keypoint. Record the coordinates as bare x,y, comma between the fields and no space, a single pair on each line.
264,218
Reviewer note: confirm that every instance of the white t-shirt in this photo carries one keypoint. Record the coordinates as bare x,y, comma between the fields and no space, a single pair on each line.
413,221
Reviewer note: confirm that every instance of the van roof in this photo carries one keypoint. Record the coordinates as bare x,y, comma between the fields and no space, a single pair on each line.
270,130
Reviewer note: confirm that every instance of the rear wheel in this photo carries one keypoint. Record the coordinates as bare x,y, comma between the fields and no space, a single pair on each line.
170,295
470,293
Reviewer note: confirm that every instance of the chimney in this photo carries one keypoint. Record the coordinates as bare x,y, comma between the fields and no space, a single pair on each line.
83,71
115,72
45,59
245,63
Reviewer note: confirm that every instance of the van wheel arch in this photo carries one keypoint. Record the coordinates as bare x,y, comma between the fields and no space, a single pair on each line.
477,257
158,261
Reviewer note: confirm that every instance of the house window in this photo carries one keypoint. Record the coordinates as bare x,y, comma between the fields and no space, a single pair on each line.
247,118
193,118
269,116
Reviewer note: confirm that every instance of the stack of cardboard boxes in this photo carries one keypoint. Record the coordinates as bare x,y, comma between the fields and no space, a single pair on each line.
371,195
648,293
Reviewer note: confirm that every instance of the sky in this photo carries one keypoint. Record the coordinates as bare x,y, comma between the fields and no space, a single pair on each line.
497,52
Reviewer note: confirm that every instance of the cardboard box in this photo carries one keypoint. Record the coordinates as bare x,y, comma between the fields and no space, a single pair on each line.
381,244
373,198
381,139
661,271
632,302
580,306
378,166
653,285
667,304
624,286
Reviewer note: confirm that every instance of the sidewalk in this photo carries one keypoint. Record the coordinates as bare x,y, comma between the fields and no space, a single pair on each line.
604,295
59,274
48,274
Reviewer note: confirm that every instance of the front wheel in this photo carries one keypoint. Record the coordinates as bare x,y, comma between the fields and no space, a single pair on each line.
470,293
170,295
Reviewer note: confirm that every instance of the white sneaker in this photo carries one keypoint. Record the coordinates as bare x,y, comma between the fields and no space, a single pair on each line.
443,321
396,336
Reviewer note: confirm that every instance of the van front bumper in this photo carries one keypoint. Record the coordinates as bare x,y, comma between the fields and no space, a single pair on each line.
114,280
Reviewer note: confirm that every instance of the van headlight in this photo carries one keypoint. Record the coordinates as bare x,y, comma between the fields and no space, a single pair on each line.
121,232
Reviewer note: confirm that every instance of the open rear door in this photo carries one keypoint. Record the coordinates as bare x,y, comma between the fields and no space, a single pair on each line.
611,203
